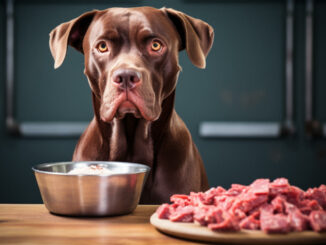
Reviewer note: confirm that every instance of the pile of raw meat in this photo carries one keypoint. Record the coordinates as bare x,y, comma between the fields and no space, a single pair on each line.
274,207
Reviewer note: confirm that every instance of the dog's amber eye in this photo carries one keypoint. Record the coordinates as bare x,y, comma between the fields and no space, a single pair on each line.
156,46
102,47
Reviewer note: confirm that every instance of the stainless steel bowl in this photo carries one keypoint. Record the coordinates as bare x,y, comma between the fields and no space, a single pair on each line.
91,195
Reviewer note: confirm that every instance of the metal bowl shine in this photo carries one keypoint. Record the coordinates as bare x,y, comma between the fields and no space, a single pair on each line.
91,195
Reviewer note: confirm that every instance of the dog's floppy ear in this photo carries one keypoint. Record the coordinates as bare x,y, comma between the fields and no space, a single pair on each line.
196,36
72,33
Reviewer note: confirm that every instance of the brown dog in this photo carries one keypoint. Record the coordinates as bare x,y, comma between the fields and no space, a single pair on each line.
131,62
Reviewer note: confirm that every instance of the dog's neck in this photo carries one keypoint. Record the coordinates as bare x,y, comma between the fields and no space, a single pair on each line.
131,139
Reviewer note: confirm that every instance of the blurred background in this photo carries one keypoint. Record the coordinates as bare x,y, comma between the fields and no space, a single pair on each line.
251,112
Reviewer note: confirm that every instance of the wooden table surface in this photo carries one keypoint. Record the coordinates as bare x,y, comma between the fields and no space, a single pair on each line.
33,224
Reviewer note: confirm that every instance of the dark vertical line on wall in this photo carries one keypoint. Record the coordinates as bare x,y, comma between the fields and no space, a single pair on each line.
313,127
289,66
309,60
10,122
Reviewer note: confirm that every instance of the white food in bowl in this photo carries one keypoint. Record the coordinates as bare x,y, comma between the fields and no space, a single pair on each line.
91,170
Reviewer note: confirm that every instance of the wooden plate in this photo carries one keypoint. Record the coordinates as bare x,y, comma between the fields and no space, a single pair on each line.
196,232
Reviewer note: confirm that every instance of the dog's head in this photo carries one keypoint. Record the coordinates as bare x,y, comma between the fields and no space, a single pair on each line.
131,55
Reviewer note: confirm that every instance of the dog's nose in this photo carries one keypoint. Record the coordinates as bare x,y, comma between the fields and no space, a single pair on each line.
126,78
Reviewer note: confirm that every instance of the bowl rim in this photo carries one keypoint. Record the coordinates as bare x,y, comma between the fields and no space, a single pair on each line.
36,169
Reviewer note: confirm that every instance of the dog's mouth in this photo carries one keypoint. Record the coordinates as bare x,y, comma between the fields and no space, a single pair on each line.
127,107
122,105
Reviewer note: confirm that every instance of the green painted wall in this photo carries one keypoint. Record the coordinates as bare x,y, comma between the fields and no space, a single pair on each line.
243,81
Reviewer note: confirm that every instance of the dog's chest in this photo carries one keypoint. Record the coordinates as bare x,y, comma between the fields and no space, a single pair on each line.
131,141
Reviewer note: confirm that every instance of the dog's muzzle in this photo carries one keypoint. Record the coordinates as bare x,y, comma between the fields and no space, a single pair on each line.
126,78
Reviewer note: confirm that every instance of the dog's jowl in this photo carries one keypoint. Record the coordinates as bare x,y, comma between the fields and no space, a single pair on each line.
131,63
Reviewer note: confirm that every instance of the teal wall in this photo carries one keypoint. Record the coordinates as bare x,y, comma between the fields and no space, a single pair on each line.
243,81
